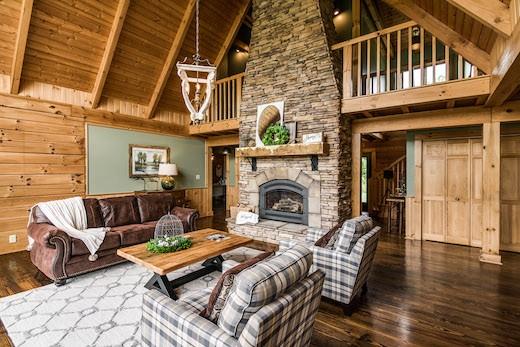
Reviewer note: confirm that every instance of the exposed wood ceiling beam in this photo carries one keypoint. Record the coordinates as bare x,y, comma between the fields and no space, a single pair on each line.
505,78
108,54
233,31
173,53
492,13
20,45
442,31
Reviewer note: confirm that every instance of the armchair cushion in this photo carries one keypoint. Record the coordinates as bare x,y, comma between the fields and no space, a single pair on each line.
351,231
261,284
224,286
176,323
154,206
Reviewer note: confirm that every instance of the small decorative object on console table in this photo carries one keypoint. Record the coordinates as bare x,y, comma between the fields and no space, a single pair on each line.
167,171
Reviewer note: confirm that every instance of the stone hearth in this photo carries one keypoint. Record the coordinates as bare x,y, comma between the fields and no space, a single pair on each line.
290,60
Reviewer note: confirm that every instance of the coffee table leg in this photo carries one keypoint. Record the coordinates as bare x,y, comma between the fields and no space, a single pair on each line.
216,263
162,284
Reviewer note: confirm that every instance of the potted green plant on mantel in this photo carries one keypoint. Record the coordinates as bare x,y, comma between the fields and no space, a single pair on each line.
276,134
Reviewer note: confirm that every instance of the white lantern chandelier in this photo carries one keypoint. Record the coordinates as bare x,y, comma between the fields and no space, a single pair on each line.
199,71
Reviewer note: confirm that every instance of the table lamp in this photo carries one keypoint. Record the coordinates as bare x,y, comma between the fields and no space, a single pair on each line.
167,171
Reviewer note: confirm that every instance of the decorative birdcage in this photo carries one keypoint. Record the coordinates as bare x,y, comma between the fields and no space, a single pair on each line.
168,226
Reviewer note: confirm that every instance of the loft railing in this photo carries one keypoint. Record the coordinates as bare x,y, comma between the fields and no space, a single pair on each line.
403,56
226,99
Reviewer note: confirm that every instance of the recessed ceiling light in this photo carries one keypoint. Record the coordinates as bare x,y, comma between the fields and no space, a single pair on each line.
336,11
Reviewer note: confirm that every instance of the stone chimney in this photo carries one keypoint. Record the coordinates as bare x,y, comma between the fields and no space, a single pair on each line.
291,61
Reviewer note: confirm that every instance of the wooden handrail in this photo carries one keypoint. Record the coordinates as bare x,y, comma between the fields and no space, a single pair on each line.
373,35
230,78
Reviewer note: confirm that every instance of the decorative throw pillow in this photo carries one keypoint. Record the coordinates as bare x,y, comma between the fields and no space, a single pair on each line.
224,285
330,237
262,283
351,231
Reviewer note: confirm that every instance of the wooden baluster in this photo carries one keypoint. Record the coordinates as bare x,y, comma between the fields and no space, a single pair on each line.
447,61
398,77
239,96
434,58
410,58
378,64
360,90
220,102
388,62
228,84
421,58
368,82
347,72
474,71
460,67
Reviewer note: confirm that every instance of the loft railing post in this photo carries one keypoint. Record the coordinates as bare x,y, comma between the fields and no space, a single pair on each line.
347,72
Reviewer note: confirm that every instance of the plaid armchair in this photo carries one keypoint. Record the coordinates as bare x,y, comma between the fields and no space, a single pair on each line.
346,275
287,321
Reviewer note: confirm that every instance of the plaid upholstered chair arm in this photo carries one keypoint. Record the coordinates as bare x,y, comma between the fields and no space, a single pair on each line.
169,323
314,235
284,244
289,320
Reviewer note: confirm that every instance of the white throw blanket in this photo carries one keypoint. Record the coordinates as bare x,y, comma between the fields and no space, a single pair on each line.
70,216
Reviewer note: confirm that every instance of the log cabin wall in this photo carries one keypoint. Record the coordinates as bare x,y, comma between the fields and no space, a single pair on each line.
42,157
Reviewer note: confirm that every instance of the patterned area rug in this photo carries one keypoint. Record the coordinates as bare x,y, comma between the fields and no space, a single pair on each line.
102,308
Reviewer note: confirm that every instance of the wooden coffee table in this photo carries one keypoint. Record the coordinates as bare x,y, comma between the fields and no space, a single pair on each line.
202,249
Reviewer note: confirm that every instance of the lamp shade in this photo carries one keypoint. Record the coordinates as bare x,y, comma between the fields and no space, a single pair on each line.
168,170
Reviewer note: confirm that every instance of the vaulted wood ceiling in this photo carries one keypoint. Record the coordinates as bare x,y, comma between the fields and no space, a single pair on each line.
67,40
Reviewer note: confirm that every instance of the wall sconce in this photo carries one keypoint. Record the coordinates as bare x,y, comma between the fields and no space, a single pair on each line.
416,38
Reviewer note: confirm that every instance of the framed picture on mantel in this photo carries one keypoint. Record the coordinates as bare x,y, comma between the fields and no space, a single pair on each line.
144,160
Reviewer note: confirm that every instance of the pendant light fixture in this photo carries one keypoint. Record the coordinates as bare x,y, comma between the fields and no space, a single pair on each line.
199,72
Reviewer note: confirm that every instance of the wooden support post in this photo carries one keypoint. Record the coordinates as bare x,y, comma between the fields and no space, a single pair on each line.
347,72
356,174
491,194
20,44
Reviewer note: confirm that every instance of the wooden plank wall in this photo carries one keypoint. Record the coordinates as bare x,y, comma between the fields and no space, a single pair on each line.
42,157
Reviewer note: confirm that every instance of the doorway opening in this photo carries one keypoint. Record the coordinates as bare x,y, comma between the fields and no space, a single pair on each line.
224,183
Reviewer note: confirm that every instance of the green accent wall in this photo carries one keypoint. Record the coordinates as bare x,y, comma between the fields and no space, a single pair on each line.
410,164
108,159
231,178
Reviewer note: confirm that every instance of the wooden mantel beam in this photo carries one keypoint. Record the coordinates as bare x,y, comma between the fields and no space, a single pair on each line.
171,58
108,54
442,31
21,43
504,79
492,13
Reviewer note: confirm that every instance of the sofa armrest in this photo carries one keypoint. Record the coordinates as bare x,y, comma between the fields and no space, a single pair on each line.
314,235
165,321
188,217
47,235
284,244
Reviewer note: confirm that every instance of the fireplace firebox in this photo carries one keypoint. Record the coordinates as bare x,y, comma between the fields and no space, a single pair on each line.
284,200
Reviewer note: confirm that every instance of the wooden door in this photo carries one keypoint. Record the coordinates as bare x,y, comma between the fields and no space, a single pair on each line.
434,190
476,193
510,194
458,192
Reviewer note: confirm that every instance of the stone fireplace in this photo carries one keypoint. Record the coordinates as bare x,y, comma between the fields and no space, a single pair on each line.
290,61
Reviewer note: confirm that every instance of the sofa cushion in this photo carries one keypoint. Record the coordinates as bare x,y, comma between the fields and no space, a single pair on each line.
112,240
262,283
133,234
196,300
224,286
153,206
94,217
120,211
351,231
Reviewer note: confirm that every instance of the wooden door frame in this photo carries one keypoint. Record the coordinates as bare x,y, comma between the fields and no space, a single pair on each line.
211,142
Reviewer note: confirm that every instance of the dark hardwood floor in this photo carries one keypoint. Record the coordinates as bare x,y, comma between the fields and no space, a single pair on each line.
424,294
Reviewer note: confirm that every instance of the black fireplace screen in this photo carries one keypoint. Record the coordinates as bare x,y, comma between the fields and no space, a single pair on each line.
283,200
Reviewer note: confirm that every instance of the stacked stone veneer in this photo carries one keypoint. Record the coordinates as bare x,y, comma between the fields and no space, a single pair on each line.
290,60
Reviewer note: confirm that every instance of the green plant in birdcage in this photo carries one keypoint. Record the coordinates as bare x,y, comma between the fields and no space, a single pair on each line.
168,236
276,134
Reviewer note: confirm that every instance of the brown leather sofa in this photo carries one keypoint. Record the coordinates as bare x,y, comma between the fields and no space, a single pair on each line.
132,220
